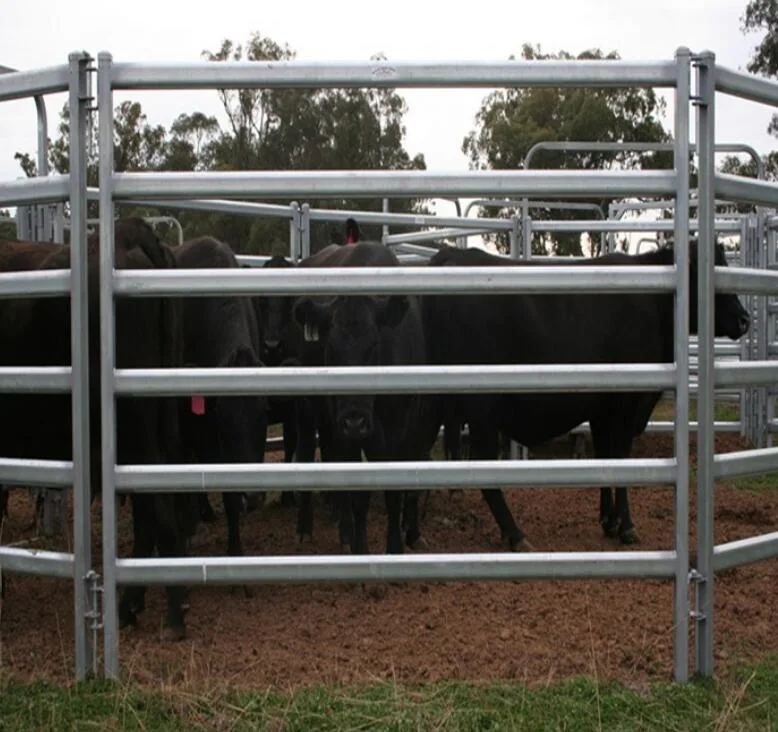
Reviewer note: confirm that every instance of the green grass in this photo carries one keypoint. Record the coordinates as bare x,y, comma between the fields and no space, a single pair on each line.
745,701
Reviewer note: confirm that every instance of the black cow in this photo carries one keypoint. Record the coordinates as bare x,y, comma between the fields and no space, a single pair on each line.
364,331
562,328
221,332
148,335
274,319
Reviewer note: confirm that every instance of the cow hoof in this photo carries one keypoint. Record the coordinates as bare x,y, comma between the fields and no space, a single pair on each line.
173,633
610,529
127,620
345,547
419,543
522,546
629,537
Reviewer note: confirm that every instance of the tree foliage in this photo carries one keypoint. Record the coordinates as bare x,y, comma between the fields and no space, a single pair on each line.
265,129
510,121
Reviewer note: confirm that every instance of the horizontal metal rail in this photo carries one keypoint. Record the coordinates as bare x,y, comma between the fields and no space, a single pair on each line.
396,280
745,281
435,234
397,379
35,379
239,208
398,74
746,86
391,568
391,183
625,225
393,475
746,373
36,562
41,283
745,551
20,471
399,219
746,190
745,462
20,84
43,189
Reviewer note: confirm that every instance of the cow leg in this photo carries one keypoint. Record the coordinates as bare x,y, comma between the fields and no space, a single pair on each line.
360,505
207,514
290,445
608,520
305,452
484,444
394,510
170,544
232,508
612,440
411,522
133,598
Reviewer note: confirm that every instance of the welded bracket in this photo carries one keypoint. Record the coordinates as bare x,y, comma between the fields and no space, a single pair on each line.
94,615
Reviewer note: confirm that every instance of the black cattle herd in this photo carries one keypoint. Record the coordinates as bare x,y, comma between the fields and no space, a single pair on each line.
313,330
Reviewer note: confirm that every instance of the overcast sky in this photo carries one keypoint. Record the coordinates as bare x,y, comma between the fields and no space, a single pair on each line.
38,33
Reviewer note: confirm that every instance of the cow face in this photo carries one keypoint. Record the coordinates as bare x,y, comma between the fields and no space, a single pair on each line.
274,315
274,318
731,319
348,330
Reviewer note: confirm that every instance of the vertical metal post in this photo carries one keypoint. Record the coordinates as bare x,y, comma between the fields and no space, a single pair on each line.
305,231
513,235
294,232
526,229
705,436
107,359
79,348
681,163
385,227
762,302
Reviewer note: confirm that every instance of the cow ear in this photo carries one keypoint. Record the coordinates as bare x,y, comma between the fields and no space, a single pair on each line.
393,311
312,317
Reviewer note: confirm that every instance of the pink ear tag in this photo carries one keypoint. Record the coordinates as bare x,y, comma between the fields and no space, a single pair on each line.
198,405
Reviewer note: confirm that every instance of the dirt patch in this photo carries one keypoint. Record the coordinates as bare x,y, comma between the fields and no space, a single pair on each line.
531,631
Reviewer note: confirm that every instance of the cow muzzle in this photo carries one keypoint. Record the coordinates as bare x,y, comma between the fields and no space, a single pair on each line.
355,425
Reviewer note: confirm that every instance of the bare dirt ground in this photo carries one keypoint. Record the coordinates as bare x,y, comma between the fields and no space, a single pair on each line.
533,631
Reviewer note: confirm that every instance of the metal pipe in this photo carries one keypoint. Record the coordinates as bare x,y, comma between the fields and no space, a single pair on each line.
396,74
393,568
705,434
416,475
745,551
20,84
35,379
746,462
397,379
372,183
745,86
681,327
639,147
36,562
107,365
25,472
79,348
47,189
395,280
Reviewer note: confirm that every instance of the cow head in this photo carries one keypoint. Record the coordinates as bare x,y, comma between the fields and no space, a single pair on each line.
348,330
731,319
274,318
